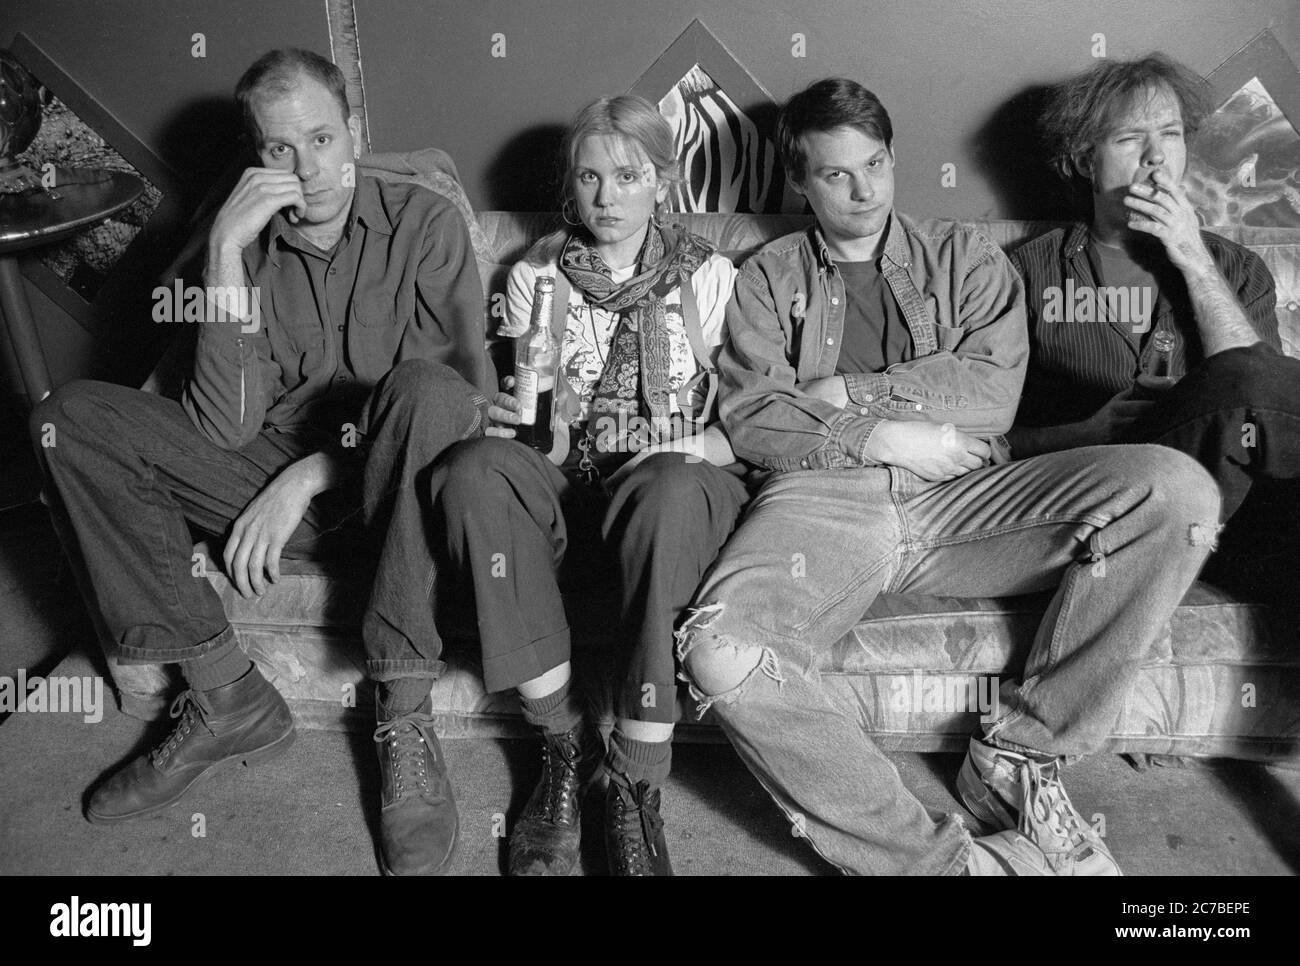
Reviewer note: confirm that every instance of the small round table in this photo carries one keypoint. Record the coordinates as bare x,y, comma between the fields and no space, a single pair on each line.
81,198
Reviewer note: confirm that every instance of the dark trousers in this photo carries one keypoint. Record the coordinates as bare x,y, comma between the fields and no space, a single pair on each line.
518,530
128,475
1238,413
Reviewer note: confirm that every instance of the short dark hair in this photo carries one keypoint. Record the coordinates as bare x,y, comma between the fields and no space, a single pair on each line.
823,106
1083,110
279,72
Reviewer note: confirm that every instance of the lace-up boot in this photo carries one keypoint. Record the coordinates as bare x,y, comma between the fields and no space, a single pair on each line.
546,837
246,720
634,831
418,823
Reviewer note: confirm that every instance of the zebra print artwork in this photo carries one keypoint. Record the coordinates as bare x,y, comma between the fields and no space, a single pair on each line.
729,165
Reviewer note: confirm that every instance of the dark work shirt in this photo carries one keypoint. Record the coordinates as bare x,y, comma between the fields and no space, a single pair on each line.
1077,362
1130,289
875,333
401,283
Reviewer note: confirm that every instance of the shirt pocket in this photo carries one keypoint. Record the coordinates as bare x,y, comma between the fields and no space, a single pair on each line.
375,312
948,337
373,341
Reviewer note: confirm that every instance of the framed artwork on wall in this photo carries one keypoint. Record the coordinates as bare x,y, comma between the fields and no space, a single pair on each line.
86,272
725,124
1244,167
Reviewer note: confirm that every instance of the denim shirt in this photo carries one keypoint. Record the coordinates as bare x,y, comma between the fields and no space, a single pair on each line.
963,303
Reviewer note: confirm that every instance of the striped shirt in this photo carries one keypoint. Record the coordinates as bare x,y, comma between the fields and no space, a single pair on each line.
1083,352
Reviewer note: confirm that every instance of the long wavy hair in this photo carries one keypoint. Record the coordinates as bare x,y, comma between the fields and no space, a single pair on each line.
1081,111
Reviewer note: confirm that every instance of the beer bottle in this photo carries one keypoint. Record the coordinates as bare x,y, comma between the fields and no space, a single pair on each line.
1162,359
537,358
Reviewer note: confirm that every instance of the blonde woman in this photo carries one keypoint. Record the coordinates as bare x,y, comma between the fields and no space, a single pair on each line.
631,507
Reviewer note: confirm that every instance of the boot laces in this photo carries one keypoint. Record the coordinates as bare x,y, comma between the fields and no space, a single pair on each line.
192,708
1046,804
408,737
639,826
561,754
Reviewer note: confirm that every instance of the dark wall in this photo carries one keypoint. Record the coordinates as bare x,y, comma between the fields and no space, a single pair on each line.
134,57
947,70
943,68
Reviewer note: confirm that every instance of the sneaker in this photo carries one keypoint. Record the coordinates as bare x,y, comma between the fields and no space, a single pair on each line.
1006,853
634,831
418,822
1007,790
244,721
547,836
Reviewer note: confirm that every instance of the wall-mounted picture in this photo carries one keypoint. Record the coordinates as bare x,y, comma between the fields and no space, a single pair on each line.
1245,167
79,140
723,120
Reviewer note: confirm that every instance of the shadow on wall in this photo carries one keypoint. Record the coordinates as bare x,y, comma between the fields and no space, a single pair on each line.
525,174
1009,154
200,141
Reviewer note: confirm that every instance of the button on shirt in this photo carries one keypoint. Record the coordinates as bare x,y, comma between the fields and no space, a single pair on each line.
401,283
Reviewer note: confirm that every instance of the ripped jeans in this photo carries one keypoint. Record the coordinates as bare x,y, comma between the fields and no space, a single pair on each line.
1120,531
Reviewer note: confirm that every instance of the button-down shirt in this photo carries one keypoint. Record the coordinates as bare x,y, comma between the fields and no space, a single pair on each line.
964,307
401,283
1081,355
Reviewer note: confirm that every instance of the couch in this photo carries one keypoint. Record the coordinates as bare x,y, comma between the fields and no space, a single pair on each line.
1222,680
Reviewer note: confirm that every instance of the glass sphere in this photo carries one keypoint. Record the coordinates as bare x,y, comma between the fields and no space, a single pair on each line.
20,107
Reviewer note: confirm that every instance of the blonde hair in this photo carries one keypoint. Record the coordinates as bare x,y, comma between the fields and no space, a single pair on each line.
629,117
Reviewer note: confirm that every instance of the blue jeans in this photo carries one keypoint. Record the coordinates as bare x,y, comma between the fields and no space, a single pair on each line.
1119,531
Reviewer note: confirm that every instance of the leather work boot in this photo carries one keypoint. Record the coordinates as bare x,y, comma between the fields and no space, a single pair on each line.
634,832
246,720
418,823
546,837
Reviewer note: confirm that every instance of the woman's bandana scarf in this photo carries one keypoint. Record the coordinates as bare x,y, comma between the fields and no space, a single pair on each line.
634,381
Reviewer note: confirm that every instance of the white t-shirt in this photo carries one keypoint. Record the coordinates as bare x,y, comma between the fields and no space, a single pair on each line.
589,331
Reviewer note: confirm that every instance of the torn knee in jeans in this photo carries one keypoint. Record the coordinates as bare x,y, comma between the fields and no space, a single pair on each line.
1204,535
717,667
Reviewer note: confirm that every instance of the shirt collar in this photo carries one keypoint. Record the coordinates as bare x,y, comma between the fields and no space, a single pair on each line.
894,248
1076,240
367,208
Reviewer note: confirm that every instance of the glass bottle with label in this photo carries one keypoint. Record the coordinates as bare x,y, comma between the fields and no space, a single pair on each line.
1161,364
1156,377
537,357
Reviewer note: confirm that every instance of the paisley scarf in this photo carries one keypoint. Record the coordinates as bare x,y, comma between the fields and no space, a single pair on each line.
634,381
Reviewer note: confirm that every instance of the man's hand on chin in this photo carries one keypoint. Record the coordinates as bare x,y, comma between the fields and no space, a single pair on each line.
1160,207
259,534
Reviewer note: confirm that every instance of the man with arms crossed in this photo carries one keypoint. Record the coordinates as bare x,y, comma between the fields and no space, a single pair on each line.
1119,132
873,362
366,327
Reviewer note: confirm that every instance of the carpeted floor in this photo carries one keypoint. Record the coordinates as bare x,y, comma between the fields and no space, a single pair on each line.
314,811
